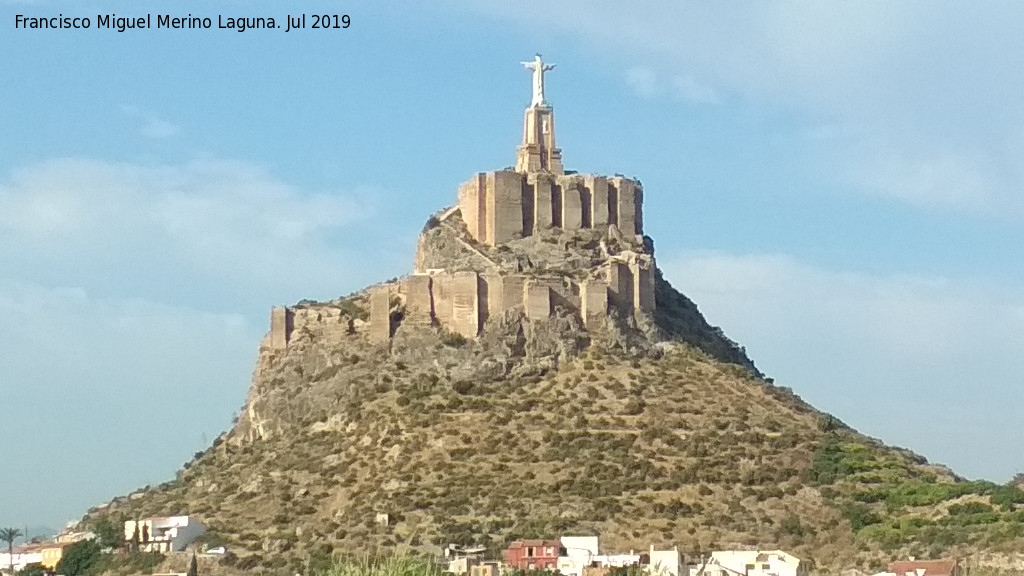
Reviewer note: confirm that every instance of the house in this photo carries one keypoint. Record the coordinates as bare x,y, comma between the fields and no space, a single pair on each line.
945,567
462,559
618,560
71,533
52,552
534,554
461,565
485,569
580,552
754,563
664,562
163,534
21,556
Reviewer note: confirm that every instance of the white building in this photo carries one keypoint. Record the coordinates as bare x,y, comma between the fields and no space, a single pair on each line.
580,552
163,534
665,562
23,556
754,563
617,560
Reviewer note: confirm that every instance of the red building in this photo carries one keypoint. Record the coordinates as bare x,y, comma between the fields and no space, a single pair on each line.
533,554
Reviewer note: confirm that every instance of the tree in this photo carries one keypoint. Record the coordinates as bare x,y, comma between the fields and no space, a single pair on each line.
193,566
9,535
79,558
109,532
34,569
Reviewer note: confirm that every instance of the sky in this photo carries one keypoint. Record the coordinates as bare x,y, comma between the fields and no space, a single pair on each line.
839,186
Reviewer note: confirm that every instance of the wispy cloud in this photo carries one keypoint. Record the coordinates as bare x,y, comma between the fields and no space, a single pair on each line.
151,125
225,221
649,84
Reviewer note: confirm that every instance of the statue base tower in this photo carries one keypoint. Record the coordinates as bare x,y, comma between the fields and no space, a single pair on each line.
538,152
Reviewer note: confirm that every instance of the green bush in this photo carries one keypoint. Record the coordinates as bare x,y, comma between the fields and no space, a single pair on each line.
968,508
79,559
860,516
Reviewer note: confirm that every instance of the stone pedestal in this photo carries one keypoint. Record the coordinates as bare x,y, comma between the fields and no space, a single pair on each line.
538,152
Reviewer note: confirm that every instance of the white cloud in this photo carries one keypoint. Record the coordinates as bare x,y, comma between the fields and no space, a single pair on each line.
648,84
643,81
687,88
928,362
159,129
225,221
152,126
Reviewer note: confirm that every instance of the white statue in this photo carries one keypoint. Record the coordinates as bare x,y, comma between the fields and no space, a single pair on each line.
539,67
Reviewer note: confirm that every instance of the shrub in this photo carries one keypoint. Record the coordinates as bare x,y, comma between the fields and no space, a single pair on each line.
859,516
968,508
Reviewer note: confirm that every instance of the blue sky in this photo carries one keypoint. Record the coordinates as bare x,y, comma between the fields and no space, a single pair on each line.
839,186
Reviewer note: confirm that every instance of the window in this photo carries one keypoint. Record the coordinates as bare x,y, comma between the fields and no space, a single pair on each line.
529,553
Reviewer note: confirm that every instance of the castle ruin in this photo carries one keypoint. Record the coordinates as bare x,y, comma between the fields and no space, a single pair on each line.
534,239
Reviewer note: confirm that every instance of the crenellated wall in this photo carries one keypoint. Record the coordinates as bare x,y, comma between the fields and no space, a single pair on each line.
505,205
464,301
313,323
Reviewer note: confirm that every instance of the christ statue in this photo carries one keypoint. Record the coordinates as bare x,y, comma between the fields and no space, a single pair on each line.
539,67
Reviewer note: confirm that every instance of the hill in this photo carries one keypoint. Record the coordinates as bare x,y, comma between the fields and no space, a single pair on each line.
536,376
660,445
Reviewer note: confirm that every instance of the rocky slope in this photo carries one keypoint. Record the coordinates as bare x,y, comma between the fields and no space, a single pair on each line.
647,430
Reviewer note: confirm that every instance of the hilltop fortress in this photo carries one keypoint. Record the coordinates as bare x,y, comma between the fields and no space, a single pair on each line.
535,240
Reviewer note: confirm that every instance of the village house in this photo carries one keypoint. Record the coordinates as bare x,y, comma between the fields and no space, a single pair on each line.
71,534
579,554
534,554
52,552
163,534
485,569
945,567
753,563
620,560
461,559
21,556
664,562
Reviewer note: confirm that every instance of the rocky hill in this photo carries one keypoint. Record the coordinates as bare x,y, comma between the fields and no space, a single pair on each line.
538,429
536,376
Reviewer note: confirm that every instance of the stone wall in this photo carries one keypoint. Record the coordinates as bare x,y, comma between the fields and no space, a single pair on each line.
472,202
464,301
620,285
537,300
465,304
380,313
419,303
322,323
597,189
593,302
630,279
280,328
505,205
